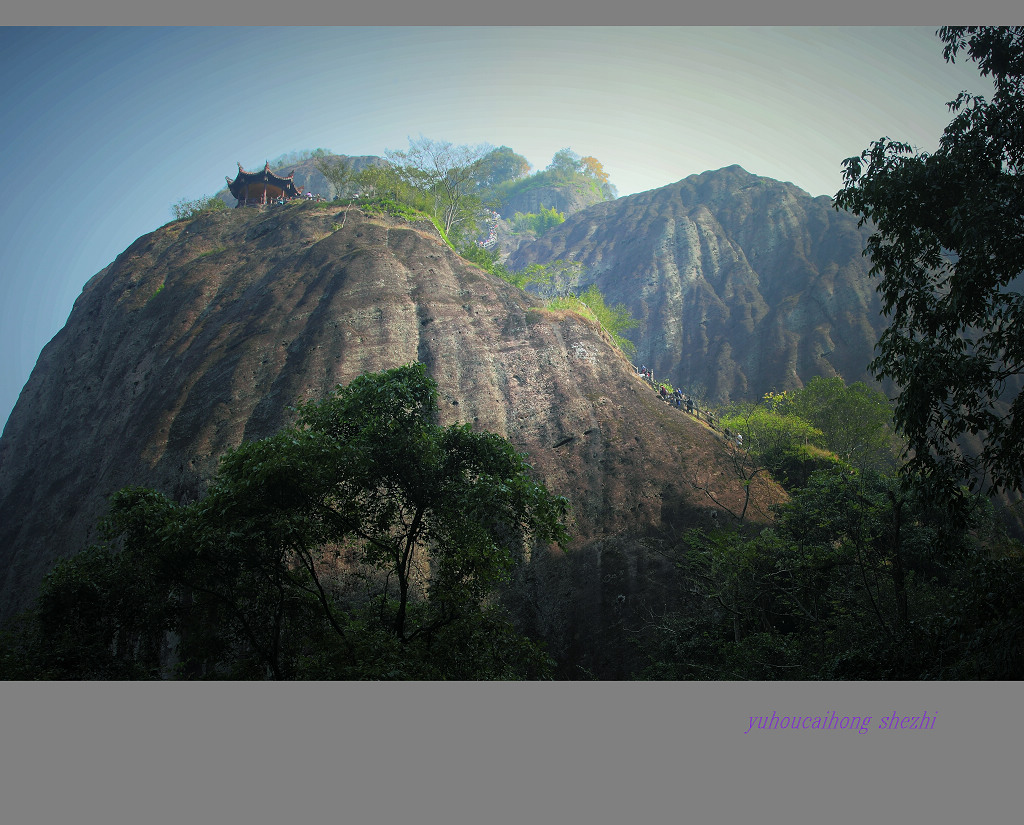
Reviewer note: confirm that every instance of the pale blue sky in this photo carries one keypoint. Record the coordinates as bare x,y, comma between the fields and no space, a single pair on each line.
103,129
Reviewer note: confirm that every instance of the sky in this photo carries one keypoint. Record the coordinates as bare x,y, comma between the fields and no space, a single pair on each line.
103,129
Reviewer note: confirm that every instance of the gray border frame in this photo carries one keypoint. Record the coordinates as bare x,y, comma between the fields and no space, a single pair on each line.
473,753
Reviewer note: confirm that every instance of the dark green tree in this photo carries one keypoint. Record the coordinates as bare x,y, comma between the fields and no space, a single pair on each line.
486,259
501,165
565,165
769,434
614,319
558,277
855,421
383,182
948,245
860,577
103,614
366,541
442,509
537,222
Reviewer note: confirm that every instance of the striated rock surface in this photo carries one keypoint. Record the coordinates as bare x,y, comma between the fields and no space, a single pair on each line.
742,284
203,333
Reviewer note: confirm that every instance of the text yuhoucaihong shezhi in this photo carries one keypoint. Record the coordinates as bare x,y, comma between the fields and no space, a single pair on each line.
861,724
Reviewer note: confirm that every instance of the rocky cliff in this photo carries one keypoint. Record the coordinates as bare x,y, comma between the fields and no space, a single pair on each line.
742,284
203,333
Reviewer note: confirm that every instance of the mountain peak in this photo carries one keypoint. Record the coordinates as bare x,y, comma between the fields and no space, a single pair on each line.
204,333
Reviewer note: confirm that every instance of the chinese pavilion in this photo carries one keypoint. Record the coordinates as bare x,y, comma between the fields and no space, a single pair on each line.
260,188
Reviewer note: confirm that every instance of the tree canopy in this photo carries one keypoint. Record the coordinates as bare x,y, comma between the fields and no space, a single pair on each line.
338,172
948,246
501,165
449,172
537,222
366,541
855,421
859,577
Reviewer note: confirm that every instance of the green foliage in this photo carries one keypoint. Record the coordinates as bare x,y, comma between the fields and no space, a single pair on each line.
590,303
210,252
591,167
573,304
826,422
186,210
784,443
383,183
566,169
946,245
565,165
399,209
366,541
340,175
615,320
101,614
500,166
768,433
558,274
855,421
486,259
537,222
449,175
859,578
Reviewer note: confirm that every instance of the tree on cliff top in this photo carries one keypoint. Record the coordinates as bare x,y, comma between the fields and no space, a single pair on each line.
187,210
501,165
448,171
338,172
949,247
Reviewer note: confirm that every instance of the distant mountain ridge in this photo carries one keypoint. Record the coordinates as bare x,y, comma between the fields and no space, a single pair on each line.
742,284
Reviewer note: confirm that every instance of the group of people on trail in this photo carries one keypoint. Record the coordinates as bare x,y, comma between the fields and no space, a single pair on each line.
678,398
492,235
309,196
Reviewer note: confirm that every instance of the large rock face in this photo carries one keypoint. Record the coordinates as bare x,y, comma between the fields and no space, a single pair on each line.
203,333
742,284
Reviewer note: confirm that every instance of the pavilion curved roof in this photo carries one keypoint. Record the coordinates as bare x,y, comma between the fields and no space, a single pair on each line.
264,178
